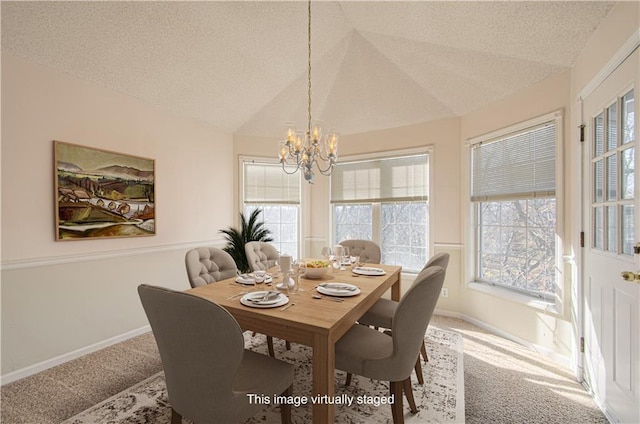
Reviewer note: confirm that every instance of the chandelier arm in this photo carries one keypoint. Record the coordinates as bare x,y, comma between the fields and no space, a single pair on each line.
327,171
285,169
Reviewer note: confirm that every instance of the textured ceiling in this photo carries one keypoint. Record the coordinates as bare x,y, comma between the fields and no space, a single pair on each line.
241,66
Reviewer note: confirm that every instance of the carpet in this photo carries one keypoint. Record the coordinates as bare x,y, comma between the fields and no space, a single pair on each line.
439,400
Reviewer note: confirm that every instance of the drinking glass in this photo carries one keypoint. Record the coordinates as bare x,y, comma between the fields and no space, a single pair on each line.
326,253
259,277
298,270
346,258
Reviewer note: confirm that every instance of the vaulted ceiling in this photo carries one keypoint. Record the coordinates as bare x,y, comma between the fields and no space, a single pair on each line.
242,66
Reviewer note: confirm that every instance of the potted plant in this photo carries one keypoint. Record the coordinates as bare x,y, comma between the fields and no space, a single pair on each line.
250,230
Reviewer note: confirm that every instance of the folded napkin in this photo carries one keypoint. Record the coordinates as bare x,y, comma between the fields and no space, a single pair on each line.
269,297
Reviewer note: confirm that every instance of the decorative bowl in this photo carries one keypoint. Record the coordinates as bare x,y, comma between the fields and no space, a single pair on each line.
316,268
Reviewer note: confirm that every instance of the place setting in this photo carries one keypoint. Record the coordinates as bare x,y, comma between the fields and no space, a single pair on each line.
264,299
256,277
338,289
368,271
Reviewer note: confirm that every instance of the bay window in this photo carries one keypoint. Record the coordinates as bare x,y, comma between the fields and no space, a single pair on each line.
386,200
277,194
513,190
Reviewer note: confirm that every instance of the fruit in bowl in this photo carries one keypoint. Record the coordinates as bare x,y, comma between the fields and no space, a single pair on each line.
316,268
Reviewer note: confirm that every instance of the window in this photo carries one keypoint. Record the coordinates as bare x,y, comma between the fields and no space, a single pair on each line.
267,187
384,200
613,177
513,189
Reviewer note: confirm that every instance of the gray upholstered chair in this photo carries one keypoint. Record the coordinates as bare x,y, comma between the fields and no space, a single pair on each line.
368,251
380,315
207,370
206,265
260,255
391,357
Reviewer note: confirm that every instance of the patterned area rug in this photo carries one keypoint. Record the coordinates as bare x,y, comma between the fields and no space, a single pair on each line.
439,400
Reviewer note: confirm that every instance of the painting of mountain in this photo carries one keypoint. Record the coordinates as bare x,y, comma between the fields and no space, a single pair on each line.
102,194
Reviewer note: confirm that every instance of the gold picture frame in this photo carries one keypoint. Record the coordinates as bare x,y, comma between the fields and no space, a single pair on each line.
102,194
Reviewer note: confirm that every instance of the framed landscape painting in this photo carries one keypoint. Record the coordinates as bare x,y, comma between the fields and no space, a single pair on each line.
102,194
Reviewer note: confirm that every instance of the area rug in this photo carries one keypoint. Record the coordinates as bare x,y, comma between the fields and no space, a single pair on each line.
439,400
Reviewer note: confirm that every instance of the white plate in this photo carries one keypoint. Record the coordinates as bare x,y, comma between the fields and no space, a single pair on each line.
364,270
333,289
251,281
279,301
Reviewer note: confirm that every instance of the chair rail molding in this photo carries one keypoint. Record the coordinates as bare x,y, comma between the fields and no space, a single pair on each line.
94,256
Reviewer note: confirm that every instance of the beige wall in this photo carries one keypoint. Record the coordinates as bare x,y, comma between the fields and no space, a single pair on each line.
61,296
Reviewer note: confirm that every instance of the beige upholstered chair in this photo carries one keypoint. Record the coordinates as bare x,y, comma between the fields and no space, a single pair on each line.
380,315
368,251
206,265
207,370
260,255
391,357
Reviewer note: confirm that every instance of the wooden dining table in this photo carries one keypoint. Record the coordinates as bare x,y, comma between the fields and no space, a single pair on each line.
313,322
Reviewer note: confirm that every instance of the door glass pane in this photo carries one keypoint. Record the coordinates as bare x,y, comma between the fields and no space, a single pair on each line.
628,118
612,126
598,133
612,178
598,228
628,174
612,229
627,229
598,181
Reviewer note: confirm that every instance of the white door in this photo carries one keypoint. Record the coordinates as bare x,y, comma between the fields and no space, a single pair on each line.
611,205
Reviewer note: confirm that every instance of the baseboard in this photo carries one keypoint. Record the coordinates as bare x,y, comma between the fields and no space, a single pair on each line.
58,360
547,353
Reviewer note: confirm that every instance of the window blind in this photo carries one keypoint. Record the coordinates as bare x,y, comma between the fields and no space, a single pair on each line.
267,183
381,180
521,164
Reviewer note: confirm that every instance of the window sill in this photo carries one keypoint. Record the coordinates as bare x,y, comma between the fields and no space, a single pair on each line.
515,297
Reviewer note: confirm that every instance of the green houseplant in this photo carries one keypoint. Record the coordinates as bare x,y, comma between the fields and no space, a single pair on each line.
250,230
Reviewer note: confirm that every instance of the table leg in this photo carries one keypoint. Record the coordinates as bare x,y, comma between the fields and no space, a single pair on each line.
323,378
395,290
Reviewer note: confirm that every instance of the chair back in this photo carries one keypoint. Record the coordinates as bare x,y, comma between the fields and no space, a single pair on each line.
368,251
412,317
439,259
206,265
260,255
201,347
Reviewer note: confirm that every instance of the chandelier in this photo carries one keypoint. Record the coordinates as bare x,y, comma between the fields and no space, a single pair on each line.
306,149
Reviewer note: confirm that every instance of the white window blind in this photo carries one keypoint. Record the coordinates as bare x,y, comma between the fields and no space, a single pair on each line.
267,183
381,180
519,165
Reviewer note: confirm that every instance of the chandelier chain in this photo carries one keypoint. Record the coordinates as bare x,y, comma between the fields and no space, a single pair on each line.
309,70
306,151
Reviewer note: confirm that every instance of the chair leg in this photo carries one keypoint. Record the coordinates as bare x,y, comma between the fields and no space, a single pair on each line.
285,410
423,350
408,392
418,368
287,345
348,380
270,346
175,417
395,388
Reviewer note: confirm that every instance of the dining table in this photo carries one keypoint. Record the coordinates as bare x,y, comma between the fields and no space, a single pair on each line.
309,318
